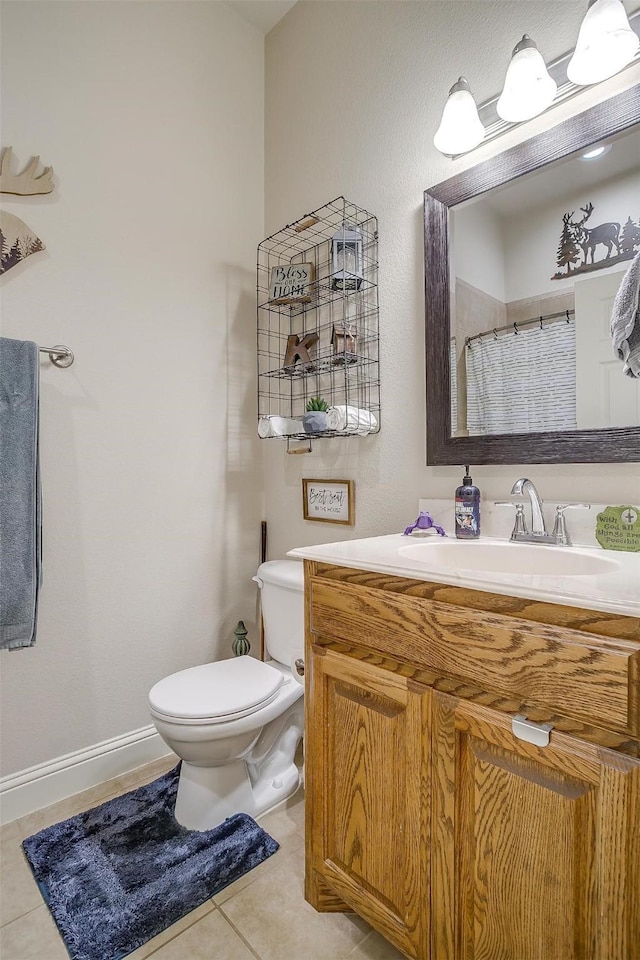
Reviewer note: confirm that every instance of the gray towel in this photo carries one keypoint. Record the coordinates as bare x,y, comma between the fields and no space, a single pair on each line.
20,500
625,320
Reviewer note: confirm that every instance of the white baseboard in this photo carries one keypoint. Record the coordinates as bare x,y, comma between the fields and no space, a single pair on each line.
39,786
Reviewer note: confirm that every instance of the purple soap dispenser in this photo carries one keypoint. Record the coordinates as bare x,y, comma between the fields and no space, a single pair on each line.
467,509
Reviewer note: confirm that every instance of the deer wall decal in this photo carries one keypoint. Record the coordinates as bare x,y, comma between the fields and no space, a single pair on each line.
607,234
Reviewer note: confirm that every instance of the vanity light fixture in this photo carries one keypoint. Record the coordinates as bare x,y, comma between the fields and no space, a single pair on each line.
528,88
606,43
460,128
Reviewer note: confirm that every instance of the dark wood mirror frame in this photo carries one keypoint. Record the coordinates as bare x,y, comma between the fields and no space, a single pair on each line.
609,445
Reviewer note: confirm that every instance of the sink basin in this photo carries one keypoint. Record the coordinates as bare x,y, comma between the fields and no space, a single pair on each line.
484,557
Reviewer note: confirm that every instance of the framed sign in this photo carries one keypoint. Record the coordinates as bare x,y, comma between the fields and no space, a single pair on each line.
330,501
291,283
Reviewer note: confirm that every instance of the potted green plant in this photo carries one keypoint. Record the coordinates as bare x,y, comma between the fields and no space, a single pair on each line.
315,419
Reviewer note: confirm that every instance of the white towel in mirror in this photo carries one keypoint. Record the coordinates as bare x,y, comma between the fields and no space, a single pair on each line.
625,320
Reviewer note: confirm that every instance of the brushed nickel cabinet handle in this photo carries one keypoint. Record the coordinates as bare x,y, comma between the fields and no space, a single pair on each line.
536,733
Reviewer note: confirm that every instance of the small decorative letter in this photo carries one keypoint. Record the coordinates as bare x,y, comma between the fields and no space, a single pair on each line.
298,350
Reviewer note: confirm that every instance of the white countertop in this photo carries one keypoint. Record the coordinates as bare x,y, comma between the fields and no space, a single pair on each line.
614,592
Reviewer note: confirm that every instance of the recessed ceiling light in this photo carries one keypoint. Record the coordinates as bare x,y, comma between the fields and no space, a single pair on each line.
595,152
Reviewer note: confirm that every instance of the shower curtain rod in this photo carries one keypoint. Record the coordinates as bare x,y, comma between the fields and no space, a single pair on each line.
59,355
515,327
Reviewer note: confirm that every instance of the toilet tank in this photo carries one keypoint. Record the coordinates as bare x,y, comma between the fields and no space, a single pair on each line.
282,586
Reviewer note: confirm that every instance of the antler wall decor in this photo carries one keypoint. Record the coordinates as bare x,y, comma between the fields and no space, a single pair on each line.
25,184
17,240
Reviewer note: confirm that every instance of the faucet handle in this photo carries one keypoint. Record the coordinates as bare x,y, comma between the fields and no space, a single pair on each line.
520,524
560,534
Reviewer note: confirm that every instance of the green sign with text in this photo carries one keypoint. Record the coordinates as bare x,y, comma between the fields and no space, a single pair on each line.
618,528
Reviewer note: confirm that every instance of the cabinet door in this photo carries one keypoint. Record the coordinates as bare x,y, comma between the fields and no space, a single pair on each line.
536,850
368,802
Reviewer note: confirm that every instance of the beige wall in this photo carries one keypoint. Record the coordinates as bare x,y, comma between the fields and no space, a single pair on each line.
152,117
354,95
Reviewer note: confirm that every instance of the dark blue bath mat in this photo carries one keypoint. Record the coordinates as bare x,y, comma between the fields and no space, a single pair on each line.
117,875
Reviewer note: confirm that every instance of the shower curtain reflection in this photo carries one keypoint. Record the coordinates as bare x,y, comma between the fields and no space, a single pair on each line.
522,382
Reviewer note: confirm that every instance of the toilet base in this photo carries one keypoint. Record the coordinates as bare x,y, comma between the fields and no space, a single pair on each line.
208,795
263,778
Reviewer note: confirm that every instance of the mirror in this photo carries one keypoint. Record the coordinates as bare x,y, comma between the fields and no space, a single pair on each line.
523,256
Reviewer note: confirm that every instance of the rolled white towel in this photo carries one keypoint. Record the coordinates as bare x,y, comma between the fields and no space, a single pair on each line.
351,419
278,427
335,418
625,320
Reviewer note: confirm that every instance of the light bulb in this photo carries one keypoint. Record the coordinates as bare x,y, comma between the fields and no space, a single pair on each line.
528,88
460,129
606,43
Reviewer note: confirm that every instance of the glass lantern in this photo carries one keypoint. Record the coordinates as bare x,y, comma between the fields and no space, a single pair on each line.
346,257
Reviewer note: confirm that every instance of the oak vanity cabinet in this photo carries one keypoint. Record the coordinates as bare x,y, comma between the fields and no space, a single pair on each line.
369,830
427,815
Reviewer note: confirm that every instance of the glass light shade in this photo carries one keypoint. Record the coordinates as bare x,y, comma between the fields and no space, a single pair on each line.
460,129
606,43
528,88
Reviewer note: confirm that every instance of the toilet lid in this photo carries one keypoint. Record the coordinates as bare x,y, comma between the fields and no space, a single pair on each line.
216,690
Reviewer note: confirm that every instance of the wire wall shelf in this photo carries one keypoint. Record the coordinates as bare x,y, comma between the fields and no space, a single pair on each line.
339,328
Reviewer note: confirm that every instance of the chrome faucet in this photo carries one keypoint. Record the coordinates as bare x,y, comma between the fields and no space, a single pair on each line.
522,486
538,534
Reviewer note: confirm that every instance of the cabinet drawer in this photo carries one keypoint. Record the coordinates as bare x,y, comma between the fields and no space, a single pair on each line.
581,675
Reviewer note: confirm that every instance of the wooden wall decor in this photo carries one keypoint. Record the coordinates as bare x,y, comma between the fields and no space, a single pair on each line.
329,501
579,245
298,351
25,184
17,241
344,342
291,283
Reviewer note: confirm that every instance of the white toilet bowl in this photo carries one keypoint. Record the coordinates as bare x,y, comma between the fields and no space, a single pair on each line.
236,723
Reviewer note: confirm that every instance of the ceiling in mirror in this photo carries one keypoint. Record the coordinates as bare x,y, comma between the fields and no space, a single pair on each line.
524,255
570,174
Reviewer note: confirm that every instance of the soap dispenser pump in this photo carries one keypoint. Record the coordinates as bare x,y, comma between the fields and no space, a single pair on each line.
467,509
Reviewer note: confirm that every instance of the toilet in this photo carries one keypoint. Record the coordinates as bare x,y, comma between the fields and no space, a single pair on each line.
236,723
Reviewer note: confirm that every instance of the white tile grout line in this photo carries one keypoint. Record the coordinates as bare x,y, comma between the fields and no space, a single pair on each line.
243,938
180,932
25,914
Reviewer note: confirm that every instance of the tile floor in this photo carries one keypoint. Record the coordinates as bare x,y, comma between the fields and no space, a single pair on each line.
263,916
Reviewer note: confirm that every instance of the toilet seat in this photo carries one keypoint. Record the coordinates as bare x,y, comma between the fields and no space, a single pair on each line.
216,692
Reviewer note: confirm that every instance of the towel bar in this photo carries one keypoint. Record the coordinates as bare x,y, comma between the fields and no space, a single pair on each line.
59,355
